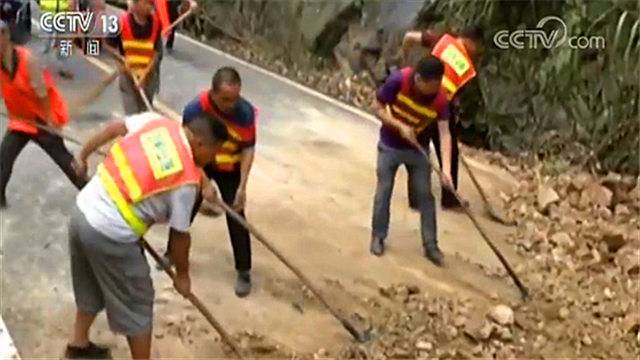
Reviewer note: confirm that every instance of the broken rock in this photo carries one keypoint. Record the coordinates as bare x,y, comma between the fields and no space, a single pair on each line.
562,239
622,210
502,314
563,313
615,239
424,346
546,197
596,194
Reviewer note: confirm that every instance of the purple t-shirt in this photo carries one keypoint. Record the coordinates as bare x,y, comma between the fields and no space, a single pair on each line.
387,94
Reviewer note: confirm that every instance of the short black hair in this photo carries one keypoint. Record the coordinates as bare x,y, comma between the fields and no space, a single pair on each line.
430,68
225,75
473,32
208,128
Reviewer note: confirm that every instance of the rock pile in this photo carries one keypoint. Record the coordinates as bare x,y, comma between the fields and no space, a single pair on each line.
580,237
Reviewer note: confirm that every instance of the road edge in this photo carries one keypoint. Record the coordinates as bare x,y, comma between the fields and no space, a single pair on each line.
7,347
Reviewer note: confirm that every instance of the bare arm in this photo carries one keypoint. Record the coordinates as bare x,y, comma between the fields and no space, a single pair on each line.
445,148
411,39
385,116
179,245
113,130
246,162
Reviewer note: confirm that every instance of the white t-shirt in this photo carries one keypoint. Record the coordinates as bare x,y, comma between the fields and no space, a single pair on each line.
173,207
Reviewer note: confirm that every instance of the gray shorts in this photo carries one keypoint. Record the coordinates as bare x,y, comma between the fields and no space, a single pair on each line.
112,276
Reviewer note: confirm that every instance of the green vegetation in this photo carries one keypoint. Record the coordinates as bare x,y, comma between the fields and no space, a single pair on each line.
580,105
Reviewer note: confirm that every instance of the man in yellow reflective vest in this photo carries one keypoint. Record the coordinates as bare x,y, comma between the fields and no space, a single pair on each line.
56,6
457,54
151,175
140,43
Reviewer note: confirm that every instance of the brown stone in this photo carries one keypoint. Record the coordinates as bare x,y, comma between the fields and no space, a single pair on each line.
562,239
501,314
580,181
596,194
614,239
622,210
546,196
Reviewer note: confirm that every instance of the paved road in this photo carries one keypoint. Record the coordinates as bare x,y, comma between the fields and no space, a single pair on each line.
311,191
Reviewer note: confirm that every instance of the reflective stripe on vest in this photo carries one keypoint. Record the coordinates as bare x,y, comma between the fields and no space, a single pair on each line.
54,6
407,110
228,156
152,160
138,53
459,67
21,100
125,208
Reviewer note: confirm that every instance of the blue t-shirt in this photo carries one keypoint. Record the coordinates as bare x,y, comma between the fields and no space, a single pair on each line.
242,119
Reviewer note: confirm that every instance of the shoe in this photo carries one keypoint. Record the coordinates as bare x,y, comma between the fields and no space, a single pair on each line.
377,246
435,256
91,351
3,202
243,284
170,50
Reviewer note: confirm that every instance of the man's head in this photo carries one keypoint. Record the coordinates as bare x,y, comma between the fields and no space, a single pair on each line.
142,8
5,37
428,76
225,88
207,135
472,37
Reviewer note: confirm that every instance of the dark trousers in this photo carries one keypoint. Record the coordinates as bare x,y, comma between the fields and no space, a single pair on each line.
228,183
174,13
431,133
13,143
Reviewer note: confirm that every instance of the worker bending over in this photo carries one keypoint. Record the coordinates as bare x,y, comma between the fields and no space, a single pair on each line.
232,163
409,101
456,53
140,42
152,175
31,97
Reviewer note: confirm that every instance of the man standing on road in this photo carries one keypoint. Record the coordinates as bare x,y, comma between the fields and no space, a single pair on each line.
409,101
151,175
456,53
54,7
169,11
140,42
31,97
233,161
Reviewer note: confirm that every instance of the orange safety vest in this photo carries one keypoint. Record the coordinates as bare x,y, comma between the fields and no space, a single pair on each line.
410,112
162,11
229,154
138,53
23,105
458,66
152,160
